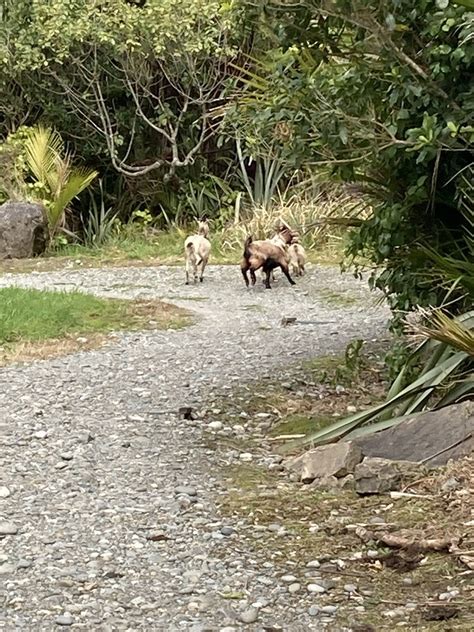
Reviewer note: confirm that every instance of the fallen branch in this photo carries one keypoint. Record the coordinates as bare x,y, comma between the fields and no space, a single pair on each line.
412,544
399,542
398,495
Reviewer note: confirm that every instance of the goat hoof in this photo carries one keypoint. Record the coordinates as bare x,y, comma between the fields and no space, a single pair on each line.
201,280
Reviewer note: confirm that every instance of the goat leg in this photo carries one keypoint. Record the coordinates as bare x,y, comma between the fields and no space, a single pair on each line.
286,272
244,274
203,266
267,280
252,276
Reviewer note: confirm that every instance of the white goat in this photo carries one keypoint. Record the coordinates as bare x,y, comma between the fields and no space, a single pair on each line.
196,251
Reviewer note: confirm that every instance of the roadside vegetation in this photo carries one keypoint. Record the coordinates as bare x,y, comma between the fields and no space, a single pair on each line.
38,324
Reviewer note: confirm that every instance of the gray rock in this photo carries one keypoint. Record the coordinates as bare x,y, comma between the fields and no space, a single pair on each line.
425,435
246,456
8,528
288,579
7,569
316,588
4,492
329,609
250,615
326,482
350,588
376,476
313,611
24,563
335,459
215,425
294,588
186,490
313,564
450,485
227,530
65,619
23,230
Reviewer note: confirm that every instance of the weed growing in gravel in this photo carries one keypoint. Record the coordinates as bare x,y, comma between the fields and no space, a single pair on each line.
34,316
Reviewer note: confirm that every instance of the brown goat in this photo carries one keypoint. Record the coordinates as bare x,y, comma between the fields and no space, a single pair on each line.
266,255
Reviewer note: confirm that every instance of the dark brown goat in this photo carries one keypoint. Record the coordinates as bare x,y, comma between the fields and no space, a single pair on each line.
266,255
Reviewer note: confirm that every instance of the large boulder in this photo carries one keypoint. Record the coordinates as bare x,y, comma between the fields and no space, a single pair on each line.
432,438
333,460
23,230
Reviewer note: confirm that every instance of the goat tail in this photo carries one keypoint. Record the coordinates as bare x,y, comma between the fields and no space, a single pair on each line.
191,252
247,243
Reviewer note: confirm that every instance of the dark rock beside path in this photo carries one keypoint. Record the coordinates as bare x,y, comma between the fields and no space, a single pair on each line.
23,230
443,435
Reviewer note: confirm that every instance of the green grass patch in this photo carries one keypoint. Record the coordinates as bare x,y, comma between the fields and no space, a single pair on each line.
300,424
32,315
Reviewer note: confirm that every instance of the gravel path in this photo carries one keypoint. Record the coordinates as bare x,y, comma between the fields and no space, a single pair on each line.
107,512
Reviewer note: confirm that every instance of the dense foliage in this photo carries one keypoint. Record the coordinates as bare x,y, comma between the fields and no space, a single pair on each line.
381,94
129,84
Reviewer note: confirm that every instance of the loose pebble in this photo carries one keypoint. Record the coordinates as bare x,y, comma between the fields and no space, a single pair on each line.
215,425
8,528
249,616
65,619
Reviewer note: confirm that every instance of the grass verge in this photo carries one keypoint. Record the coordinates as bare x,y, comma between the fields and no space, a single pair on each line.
36,323
150,248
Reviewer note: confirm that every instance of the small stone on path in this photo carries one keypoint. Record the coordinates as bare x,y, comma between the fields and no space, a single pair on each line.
65,619
249,616
188,491
8,528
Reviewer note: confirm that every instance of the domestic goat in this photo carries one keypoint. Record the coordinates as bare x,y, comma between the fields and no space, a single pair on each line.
196,251
267,255
297,257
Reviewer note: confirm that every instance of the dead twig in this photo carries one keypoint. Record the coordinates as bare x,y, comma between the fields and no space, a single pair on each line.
392,540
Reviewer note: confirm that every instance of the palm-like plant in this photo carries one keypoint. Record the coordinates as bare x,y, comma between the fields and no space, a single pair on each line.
444,366
57,182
